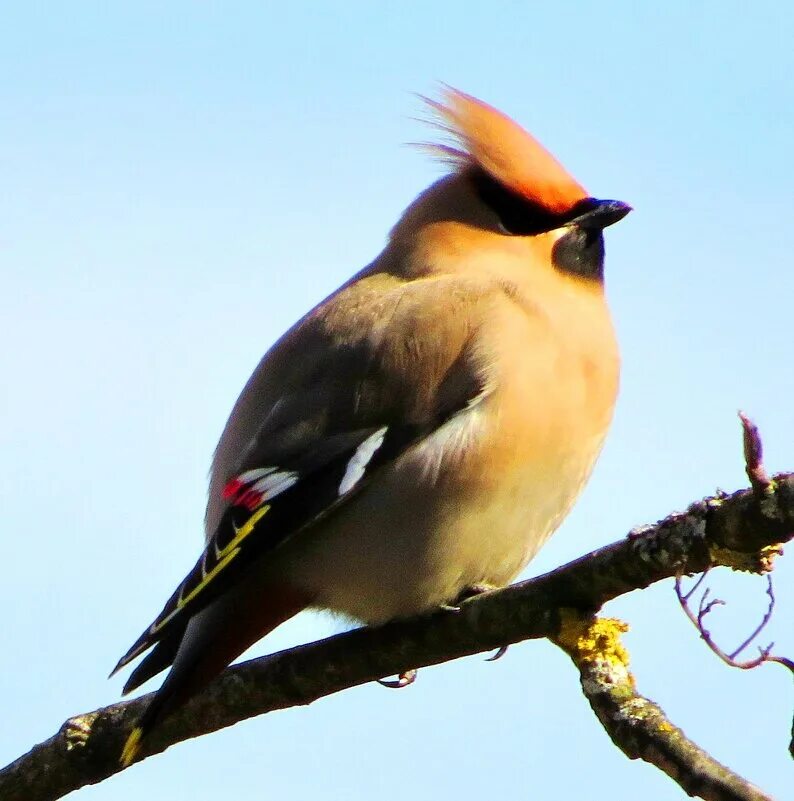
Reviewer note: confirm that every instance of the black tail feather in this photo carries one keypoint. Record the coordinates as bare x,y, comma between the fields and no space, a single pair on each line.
156,661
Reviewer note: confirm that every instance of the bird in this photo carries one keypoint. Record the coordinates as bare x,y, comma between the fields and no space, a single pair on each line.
419,434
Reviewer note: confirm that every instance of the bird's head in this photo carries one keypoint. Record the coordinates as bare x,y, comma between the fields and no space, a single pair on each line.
505,184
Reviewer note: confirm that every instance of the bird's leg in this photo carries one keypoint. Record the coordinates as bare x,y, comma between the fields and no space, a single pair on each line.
480,588
408,677
472,591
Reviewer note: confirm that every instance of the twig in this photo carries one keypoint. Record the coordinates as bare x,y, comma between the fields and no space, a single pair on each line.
754,456
761,485
696,584
770,591
705,608
762,488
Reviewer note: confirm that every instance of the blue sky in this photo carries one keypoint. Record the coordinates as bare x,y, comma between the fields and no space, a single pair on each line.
181,183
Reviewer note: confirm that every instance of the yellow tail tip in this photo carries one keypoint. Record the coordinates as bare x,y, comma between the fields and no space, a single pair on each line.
132,747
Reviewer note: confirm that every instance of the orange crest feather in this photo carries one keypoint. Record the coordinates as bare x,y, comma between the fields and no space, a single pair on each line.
507,152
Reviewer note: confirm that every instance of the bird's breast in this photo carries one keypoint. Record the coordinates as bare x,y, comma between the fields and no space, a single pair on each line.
473,501
470,504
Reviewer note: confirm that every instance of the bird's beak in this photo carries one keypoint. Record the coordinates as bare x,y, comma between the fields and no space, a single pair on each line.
603,213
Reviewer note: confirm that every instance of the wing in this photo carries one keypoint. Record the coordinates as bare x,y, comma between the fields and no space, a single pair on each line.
342,394
266,505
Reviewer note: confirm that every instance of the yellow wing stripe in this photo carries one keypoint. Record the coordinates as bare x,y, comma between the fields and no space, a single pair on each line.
225,556
132,746
184,601
244,530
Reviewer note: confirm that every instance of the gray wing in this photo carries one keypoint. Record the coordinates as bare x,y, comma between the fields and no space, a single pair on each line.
381,351
356,382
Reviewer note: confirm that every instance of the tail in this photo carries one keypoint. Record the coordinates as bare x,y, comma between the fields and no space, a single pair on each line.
212,639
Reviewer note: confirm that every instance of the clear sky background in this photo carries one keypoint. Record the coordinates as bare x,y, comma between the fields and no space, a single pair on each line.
179,182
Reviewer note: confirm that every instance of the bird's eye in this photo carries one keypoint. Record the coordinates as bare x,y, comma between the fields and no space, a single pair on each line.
517,215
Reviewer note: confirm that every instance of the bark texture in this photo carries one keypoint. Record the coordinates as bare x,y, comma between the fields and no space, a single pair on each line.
743,531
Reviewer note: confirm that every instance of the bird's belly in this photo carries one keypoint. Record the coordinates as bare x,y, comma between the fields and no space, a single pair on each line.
381,558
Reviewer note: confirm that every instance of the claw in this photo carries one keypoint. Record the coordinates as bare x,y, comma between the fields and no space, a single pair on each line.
403,680
499,654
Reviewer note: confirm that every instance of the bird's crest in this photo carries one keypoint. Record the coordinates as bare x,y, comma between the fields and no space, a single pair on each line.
490,140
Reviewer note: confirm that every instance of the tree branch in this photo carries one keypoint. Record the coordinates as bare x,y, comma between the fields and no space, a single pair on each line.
637,725
742,531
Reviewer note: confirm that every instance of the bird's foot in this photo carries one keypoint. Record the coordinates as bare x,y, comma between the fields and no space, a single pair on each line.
403,680
473,592
466,593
